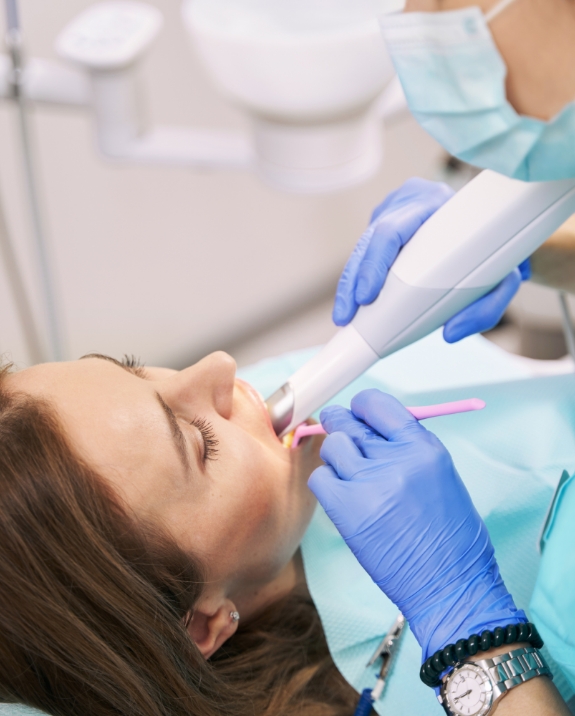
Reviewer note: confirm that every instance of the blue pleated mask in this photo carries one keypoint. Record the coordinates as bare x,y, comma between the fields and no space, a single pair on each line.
453,77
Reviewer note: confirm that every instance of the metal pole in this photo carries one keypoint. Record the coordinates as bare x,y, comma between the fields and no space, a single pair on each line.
23,307
14,43
567,324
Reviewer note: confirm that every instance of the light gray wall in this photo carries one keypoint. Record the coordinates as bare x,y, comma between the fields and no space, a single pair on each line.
167,263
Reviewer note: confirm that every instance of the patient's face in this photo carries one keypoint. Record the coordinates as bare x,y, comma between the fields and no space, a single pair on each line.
193,450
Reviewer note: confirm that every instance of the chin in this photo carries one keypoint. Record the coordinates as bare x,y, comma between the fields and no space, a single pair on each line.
306,455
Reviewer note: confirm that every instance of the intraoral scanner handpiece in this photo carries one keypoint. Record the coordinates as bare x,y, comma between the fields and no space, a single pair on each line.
463,251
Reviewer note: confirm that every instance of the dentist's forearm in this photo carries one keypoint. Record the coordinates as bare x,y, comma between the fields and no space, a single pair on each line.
537,697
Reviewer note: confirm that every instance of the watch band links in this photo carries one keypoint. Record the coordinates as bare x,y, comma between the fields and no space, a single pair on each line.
516,667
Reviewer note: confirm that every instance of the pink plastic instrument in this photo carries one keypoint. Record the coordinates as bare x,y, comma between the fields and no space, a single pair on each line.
421,413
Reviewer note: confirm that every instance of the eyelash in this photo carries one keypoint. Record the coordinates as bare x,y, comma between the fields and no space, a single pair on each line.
208,436
206,430
134,364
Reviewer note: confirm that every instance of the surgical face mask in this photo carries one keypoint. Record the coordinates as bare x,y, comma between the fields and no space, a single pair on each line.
454,80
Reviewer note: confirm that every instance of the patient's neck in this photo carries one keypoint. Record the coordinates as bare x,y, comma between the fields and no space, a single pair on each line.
254,600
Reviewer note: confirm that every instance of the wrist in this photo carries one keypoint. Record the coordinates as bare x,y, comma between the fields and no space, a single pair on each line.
478,625
440,664
479,685
481,605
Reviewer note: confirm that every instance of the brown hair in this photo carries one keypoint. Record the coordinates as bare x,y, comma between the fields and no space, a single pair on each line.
93,605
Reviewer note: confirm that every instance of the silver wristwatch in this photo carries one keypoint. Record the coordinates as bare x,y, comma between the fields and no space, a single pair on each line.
473,687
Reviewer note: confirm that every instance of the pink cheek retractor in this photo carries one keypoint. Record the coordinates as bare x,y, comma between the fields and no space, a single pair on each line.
420,413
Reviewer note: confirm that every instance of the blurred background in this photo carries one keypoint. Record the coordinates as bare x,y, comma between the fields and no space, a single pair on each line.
169,263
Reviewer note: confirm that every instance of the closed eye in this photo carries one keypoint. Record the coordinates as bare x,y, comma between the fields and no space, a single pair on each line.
208,437
128,362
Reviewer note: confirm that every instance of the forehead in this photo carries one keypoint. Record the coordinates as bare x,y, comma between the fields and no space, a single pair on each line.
62,377
113,420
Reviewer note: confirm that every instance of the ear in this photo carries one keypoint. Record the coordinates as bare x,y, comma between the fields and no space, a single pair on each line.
211,625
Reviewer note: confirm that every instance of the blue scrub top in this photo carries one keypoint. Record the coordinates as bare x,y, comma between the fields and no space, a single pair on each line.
553,601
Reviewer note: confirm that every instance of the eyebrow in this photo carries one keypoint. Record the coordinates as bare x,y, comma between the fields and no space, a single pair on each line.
177,434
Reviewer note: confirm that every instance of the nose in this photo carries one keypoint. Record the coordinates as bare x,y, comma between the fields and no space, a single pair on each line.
208,382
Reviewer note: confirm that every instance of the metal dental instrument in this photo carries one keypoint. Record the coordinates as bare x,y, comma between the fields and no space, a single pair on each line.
462,252
386,651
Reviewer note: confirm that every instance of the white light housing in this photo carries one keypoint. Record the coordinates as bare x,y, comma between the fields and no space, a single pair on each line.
308,72
110,35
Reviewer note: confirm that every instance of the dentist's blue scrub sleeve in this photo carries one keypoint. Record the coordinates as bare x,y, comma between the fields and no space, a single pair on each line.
553,601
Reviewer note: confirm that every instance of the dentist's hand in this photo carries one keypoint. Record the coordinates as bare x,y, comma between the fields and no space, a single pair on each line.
392,491
393,223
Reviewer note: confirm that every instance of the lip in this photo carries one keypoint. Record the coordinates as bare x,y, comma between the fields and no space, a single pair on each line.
258,399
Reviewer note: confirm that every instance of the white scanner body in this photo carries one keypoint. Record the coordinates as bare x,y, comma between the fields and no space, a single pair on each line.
465,249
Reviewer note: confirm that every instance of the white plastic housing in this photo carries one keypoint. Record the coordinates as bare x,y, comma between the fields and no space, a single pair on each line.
339,362
308,74
458,255
463,251
107,40
110,35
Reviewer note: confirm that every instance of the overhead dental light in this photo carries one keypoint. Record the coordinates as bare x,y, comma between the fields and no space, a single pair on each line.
308,73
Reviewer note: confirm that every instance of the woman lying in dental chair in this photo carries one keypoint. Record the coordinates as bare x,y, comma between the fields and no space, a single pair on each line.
149,529
143,509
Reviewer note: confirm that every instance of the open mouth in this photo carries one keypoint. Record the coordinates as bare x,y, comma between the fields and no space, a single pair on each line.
293,440
258,399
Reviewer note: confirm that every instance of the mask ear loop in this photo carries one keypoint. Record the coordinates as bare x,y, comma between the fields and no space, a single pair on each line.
498,9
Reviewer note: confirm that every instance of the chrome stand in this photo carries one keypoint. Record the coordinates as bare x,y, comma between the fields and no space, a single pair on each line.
54,332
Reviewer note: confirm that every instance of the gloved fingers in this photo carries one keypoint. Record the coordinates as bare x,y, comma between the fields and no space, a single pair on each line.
386,415
337,419
345,306
321,482
342,454
403,211
485,313
413,189
393,229
379,256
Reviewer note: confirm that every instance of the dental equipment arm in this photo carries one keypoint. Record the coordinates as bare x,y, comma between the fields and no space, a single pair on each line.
459,254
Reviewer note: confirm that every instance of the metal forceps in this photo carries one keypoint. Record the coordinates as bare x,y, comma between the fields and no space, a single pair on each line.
386,650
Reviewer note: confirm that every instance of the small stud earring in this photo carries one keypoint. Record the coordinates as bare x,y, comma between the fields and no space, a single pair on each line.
235,616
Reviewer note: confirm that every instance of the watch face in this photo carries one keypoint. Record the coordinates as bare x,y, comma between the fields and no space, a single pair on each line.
468,691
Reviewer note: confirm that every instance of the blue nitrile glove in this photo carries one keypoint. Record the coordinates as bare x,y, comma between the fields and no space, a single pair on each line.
485,313
392,491
393,223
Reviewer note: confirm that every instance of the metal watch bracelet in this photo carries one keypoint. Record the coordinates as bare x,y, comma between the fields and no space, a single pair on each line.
484,681
514,668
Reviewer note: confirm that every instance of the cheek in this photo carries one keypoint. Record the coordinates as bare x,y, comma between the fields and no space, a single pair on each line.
247,522
255,496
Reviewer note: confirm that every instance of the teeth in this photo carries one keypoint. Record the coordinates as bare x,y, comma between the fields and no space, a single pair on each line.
288,439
